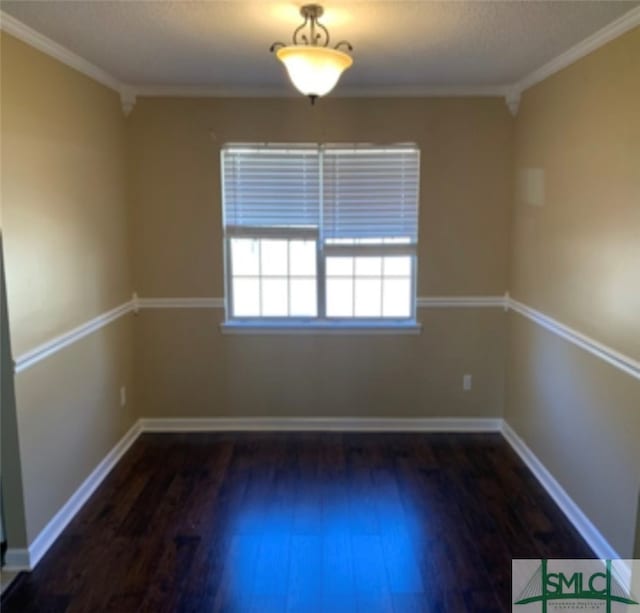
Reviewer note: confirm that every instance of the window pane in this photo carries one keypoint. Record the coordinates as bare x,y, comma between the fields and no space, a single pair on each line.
368,301
302,258
369,266
303,298
401,240
340,241
245,256
274,298
397,266
274,257
339,267
339,298
246,297
397,298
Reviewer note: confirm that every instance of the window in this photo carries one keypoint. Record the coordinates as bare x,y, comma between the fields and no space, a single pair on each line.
320,234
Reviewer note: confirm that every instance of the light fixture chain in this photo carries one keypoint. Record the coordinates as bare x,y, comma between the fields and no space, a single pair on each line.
344,43
300,28
312,14
319,36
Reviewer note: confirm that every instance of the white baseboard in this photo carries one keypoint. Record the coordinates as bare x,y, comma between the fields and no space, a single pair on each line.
16,560
58,523
22,559
320,424
572,511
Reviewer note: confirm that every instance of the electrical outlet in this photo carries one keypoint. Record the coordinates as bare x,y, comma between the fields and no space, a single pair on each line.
123,396
466,383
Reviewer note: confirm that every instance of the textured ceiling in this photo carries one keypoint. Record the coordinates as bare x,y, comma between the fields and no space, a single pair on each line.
398,45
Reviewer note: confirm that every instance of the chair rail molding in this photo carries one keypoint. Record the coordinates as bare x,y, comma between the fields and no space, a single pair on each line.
136,304
621,361
617,359
39,353
424,302
180,303
452,302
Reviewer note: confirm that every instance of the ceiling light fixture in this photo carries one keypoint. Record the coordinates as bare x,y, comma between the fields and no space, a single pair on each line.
313,67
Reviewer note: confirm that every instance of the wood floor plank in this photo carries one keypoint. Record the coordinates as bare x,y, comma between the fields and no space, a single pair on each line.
305,566
370,574
299,522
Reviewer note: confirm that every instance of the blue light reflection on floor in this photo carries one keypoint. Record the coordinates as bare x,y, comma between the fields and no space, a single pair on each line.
324,547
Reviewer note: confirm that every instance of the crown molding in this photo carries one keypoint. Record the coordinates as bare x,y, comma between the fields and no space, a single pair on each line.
129,93
598,39
425,91
128,96
210,91
194,91
512,99
28,35
38,41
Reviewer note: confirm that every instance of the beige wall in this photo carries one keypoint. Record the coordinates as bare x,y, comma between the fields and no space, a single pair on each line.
580,416
64,208
69,417
64,218
186,367
577,258
465,181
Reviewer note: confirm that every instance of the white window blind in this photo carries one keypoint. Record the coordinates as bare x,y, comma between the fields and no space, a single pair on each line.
320,233
271,186
370,192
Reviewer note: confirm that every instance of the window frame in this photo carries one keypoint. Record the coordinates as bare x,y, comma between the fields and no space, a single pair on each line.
260,234
320,321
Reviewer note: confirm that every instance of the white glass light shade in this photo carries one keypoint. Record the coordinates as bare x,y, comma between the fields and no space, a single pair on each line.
314,70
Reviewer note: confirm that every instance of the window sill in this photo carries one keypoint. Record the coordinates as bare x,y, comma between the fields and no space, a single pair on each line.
321,328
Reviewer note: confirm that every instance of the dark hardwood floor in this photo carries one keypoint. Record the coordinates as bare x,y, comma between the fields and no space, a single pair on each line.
302,522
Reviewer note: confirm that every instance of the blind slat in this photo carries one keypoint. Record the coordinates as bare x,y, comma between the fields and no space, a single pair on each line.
371,193
265,187
366,191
